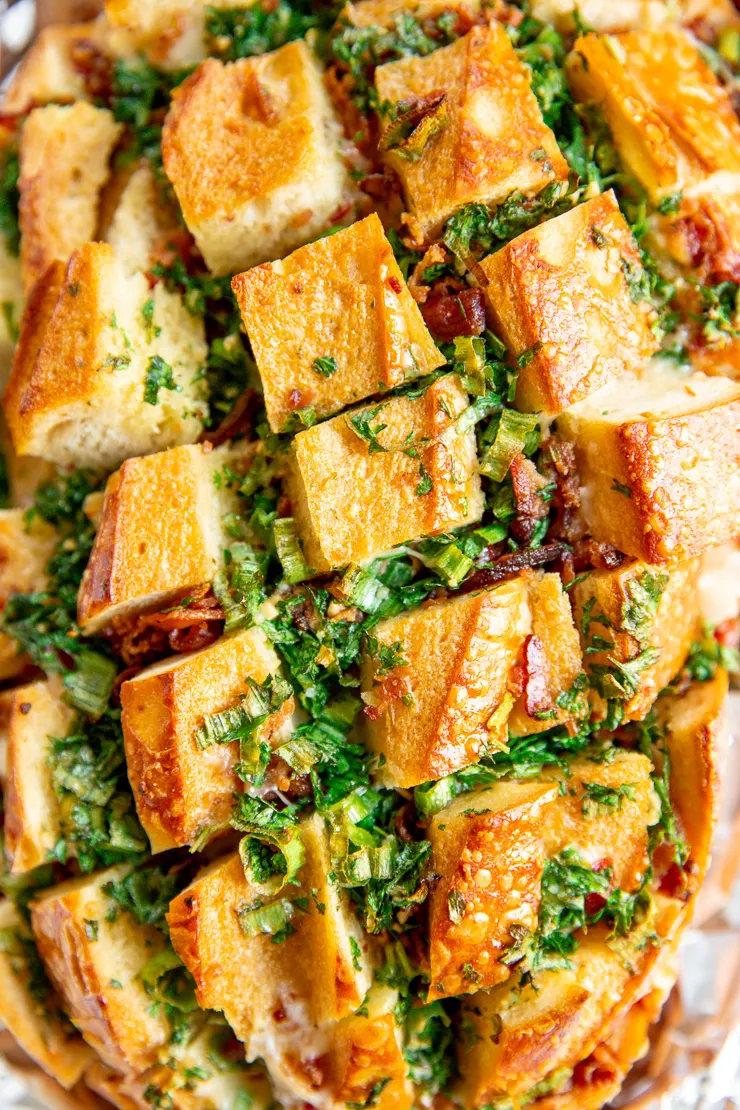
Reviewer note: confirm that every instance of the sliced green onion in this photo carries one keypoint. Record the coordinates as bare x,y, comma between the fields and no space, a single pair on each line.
279,829
470,356
492,533
370,862
511,438
239,586
431,797
238,722
289,550
359,587
451,563
266,920
89,686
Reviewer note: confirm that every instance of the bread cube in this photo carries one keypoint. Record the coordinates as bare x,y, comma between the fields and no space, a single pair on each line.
143,558
367,480
64,163
275,996
140,222
486,138
47,71
696,738
192,1079
366,1050
94,952
672,144
181,790
33,824
561,291
333,323
490,849
105,366
461,679
37,1023
637,608
251,150
517,1036
659,464
25,549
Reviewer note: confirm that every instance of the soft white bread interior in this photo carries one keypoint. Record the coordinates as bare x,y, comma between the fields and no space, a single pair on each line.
105,366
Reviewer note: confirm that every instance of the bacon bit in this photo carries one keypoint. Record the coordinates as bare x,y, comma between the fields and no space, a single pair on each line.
593,903
395,284
589,553
142,638
295,400
509,565
94,66
450,315
406,824
383,186
238,422
173,244
357,127
436,255
536,671
528,484
728,633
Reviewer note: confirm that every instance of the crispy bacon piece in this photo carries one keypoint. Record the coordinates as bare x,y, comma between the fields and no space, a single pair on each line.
238,422
451,314
194,623
94,66
532,507
509,565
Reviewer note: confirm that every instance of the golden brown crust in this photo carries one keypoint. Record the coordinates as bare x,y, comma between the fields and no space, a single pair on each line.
142,556
314,305
249,149
454,696
659,464
490,847
40,1030
695,726
47,71
335,480
94,963
670,143
484,152
274,996
179,789
64,154
78,388
561,291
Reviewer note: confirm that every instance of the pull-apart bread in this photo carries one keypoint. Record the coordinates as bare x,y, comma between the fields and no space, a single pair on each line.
370,543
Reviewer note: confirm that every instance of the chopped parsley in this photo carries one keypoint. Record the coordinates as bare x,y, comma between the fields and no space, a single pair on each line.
159,375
